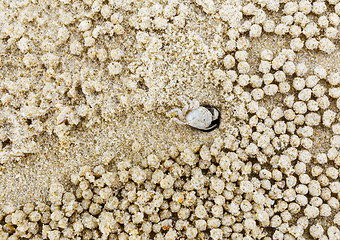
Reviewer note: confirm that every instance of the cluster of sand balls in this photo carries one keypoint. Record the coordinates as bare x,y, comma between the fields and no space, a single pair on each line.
54,90
267,178
194,192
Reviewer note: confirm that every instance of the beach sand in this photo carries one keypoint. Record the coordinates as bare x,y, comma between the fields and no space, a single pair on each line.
88,83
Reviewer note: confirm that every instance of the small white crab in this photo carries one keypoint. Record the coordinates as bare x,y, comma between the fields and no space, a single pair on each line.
201,117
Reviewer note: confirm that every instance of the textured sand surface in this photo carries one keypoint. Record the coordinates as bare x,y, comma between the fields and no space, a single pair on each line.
91,83
119,114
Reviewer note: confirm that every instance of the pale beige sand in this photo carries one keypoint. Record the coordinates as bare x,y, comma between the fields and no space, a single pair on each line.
143,120
42,72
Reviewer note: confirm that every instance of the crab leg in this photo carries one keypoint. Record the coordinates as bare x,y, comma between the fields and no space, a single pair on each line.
177,121
185,102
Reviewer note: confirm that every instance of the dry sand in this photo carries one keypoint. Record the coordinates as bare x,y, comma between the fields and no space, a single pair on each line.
116,111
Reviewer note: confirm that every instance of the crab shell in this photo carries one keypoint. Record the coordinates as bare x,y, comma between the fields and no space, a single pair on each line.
203,118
